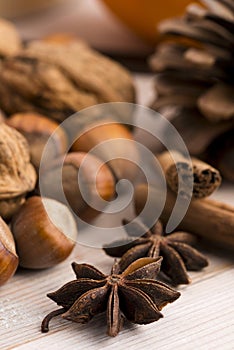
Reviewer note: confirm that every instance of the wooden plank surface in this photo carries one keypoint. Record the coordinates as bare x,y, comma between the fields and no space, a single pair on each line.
202,318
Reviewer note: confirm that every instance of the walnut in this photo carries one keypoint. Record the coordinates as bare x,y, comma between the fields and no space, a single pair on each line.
60,79
17,175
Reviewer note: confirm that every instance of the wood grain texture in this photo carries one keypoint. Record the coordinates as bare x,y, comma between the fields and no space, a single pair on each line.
202,318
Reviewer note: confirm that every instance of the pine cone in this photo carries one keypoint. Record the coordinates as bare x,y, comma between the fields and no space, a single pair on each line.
58,79
195,66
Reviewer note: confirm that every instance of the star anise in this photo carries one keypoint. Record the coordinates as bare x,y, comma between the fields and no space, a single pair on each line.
134,294
178,255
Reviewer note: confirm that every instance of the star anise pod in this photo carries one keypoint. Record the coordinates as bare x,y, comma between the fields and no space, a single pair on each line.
178,255
134,294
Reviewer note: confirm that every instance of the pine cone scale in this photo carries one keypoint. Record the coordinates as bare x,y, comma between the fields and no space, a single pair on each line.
195,79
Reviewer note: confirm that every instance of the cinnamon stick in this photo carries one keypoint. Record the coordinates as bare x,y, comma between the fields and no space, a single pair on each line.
205,178
220,205
212,142
205,218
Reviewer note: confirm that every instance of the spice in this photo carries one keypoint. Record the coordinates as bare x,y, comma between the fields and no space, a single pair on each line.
178,255
204,178
209,219
134,294
212,142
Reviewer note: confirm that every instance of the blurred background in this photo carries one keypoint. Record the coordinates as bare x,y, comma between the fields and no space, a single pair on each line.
119,28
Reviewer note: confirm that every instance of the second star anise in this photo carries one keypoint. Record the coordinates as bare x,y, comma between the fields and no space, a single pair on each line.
133,294
178,255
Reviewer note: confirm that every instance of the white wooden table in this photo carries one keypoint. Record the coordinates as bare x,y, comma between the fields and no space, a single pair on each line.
202,318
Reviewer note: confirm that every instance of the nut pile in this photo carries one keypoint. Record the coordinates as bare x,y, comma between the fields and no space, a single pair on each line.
29,215
41,84
47,241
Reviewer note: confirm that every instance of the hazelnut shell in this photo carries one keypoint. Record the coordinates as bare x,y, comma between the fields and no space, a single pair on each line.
40,242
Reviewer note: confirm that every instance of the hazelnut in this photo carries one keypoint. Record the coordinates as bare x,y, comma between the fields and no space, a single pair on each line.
8,256
120,154
43,240
96,181
37,129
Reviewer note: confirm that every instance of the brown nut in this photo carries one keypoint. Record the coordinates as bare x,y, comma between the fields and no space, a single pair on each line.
96,180
37,129
43,241
120,149
17,173
8,256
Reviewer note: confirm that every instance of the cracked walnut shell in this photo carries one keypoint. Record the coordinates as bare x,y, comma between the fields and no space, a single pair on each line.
17,173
